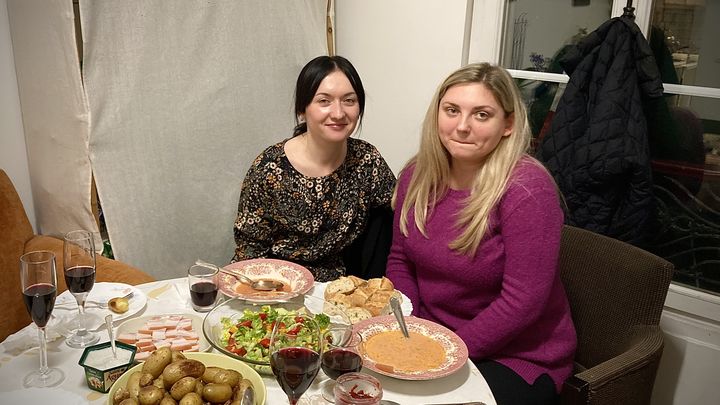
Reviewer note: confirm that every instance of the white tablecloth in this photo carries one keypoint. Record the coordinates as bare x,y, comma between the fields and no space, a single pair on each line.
171,296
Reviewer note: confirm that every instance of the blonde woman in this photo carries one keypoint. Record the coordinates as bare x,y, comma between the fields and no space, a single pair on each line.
476,237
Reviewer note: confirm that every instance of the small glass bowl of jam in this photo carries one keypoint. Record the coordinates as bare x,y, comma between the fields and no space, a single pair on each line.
357,389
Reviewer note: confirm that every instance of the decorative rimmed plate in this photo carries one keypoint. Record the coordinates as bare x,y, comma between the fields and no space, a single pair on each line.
456,353
297,279
208,359
101,293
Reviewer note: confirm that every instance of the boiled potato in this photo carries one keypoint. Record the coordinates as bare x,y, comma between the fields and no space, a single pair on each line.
150,395
146,379
158,382
129,401
176,356
183,368
199,385
214,392
210,373
191,399
158,360
182,387
168,400
120,395
133,384
229,377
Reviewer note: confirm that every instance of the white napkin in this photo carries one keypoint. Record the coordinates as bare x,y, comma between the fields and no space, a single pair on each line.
63,322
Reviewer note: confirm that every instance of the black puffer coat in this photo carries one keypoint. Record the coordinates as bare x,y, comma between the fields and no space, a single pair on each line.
597,145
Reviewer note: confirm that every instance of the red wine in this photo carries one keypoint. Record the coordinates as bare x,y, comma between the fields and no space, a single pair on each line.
80,279
295,369
203,294
337,361
39,301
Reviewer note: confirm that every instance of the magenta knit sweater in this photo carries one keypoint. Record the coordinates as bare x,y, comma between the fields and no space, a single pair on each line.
507,302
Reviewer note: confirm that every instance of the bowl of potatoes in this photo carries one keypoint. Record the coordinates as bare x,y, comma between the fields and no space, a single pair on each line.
193,378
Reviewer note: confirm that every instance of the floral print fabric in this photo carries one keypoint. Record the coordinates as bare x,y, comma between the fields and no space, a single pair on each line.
286,215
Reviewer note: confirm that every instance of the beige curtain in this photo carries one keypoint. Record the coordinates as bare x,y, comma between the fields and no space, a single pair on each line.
183,95
55,113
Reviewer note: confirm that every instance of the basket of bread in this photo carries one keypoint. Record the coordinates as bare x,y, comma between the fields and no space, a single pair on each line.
361,299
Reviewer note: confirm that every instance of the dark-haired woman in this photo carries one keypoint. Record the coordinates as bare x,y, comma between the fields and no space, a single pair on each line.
307,198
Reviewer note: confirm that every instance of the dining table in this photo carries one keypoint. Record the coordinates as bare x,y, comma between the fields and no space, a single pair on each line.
172,297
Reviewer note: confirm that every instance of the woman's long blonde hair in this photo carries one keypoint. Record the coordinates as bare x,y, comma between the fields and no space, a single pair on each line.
431,175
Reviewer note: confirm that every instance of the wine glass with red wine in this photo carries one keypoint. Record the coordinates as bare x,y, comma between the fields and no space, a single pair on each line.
341,355
39,287
79,272
295,348
203,284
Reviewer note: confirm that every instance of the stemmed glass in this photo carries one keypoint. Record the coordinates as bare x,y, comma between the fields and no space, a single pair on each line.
295,348
341,355
79,270
39,286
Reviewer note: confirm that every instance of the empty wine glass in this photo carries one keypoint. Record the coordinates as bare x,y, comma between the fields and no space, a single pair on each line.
295,348
39,286
341,355
79,271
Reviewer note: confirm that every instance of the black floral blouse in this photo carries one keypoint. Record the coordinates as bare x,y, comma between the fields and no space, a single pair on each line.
286,215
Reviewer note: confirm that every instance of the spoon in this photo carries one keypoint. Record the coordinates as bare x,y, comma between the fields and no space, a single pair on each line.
108,323
395,305
119,304
260,285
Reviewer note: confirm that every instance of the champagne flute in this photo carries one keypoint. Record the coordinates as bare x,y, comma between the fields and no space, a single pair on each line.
341,355
79,271
295,348
39,286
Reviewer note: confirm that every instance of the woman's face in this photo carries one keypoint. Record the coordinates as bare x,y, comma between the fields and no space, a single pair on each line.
333,113
471,123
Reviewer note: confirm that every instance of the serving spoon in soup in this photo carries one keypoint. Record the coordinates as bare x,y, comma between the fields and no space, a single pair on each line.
260,285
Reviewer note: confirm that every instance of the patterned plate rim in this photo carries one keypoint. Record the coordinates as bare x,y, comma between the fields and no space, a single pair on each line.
456,352
302,274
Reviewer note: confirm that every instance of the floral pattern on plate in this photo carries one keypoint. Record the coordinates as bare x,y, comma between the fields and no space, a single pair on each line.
298,278
456,352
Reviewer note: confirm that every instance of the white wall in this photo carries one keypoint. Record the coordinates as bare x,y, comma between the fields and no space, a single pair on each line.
13,158
402,49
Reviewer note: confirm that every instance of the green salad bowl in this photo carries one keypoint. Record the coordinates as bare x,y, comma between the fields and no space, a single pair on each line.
251,346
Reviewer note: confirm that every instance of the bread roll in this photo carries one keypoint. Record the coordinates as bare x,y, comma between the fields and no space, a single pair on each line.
386,284
359,297
375,308
340,299
357,281
357,314
381,296
342,285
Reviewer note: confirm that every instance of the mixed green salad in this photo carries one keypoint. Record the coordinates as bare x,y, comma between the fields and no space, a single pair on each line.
249,335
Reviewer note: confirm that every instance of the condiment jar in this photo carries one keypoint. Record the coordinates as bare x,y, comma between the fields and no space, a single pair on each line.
357,389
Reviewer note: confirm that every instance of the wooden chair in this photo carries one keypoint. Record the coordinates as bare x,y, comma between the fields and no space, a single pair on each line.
17,238
616,293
